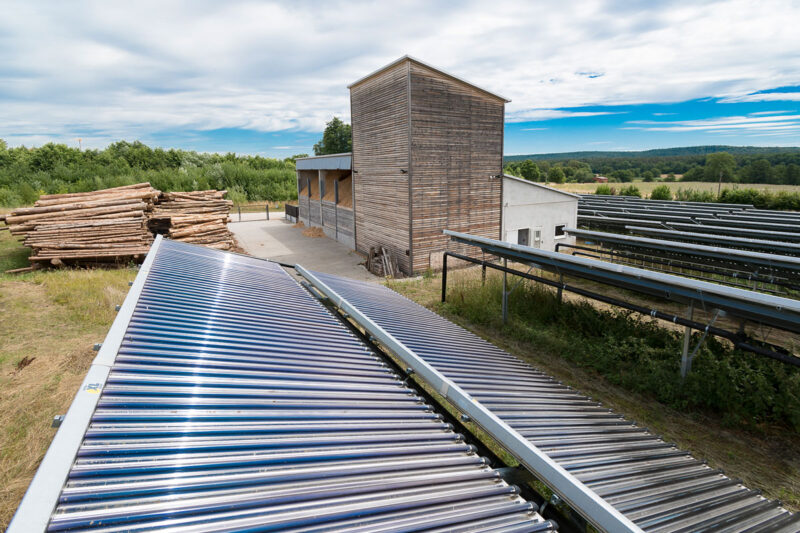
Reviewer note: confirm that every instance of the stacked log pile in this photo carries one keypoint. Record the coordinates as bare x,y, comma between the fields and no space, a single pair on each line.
106,226
198,217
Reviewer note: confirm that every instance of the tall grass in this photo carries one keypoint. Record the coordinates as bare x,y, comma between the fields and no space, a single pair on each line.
744,389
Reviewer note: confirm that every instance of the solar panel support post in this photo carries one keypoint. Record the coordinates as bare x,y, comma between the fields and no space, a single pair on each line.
505,292
687,337
585,501
444,277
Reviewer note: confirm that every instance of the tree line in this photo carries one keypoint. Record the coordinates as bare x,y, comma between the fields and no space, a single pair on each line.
760,168
27,173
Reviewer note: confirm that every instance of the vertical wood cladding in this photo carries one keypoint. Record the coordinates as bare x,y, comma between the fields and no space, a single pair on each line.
456,146
448,135
379,107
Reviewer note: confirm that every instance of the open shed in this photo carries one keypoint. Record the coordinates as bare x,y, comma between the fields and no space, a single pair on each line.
325,195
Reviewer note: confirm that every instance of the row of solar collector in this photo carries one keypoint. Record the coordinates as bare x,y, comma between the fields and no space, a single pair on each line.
747,265
655,485
633,202
227,398
598,205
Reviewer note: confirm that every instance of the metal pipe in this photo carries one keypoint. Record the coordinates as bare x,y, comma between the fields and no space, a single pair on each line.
580,497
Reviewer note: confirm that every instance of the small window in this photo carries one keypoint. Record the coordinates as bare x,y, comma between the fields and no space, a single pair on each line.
560,230
537,238
524,237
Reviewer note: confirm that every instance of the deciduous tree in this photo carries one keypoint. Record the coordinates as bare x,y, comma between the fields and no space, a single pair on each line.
336,139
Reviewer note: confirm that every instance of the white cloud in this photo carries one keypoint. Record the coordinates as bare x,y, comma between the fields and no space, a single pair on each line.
762,97
532,115
112,70
755,122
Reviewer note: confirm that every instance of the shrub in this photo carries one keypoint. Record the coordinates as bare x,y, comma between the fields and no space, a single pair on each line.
662,192
9,198
692,195
603,189
630,190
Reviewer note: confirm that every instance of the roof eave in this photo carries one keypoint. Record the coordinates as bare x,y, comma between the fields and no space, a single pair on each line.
426,65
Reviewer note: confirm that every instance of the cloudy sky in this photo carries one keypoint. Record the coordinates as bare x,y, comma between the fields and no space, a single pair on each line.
264,77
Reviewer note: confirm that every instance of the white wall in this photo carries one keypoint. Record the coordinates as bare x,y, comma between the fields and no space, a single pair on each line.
533,207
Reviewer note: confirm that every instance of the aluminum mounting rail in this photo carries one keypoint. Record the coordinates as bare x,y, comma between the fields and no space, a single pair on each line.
228,398
783,313
652,483
581,498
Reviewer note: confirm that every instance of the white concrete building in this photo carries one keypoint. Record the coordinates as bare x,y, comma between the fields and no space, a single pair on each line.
536,215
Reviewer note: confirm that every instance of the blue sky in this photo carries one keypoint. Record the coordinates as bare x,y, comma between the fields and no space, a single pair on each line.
264,77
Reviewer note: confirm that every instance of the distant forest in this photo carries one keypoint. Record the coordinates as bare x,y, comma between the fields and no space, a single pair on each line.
736,164
27,173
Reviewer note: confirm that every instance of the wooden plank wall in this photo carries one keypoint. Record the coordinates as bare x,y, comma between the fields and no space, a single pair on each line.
379,109
456,146
302,192
329,215
315,212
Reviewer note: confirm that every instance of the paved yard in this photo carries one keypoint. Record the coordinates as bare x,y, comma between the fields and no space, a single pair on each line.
278,240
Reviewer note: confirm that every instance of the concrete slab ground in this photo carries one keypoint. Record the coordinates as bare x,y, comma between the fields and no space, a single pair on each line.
278,240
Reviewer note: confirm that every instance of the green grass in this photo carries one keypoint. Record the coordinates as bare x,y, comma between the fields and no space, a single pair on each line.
12,253
50,320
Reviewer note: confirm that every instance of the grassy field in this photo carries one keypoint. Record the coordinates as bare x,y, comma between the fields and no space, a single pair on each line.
50,320
646,187
765,456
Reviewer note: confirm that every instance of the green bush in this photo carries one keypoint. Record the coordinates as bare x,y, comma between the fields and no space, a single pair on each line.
783,200
630,190
662,192
56,169
692,195
603,189
743,388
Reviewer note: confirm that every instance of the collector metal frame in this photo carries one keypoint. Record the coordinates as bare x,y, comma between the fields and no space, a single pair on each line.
742,266
576,494
33,513
702,294
783,313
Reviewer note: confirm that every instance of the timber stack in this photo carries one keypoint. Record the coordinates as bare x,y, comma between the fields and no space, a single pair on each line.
198,217
92,228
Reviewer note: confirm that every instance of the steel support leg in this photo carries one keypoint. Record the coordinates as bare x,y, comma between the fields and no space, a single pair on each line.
687,337
444,277
505,292
560,288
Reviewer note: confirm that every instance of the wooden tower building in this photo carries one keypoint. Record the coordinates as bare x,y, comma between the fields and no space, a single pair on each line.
427,156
